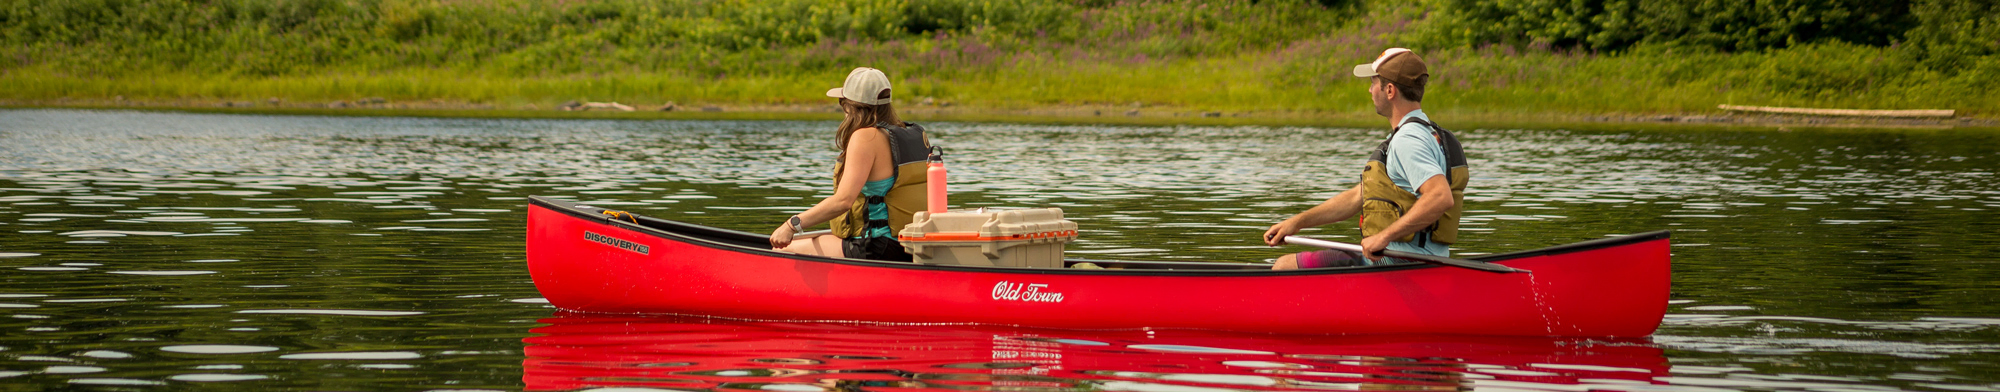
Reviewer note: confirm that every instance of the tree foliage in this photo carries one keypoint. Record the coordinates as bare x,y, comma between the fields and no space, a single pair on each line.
1952,32
1728,25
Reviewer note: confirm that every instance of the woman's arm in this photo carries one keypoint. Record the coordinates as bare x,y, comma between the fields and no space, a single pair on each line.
863,146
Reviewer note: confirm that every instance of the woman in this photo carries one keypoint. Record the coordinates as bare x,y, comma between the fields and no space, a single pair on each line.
878,178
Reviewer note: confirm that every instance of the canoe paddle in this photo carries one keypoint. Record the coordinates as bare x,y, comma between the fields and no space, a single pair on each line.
1444,261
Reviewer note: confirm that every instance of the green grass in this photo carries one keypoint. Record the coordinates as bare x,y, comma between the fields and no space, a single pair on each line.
1273,58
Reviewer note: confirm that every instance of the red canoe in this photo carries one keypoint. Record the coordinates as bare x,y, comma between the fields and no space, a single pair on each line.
583,260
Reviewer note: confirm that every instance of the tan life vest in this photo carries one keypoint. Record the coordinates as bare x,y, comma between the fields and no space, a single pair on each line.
908,149
1382,202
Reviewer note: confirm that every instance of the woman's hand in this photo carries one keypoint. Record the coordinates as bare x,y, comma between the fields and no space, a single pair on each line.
782,237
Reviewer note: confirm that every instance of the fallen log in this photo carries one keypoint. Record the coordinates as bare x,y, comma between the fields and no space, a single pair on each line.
1922,113
574,105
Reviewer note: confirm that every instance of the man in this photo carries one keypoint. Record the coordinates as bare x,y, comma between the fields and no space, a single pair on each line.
1412,190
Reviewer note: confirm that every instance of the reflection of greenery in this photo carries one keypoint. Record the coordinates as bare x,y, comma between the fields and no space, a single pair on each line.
461,281
1273,55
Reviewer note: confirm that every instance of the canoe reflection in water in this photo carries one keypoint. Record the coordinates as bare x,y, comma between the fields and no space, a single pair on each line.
680,352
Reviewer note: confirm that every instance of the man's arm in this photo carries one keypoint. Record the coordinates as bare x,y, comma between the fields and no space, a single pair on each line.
1434,200
1336,209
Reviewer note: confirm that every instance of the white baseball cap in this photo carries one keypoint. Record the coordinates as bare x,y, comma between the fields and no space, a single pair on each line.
865,85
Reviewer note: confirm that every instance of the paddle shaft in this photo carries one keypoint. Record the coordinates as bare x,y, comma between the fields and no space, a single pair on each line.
1445,261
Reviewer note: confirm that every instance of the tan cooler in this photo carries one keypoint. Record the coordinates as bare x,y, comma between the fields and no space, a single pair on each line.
1024,238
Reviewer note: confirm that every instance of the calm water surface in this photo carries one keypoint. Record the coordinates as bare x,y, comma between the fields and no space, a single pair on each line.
177,251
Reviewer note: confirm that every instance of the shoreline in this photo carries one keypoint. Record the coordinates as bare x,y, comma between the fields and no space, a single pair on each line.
1082,114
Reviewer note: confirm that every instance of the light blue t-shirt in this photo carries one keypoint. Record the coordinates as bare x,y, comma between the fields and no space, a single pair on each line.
1414,157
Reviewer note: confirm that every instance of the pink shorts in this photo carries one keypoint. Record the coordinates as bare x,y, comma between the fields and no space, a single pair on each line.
1330,258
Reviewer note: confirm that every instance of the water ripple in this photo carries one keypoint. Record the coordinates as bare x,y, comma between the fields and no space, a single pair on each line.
353,355
217,349
209,377
332,312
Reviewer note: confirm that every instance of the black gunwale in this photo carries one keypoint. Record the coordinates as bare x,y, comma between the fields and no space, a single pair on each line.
749,243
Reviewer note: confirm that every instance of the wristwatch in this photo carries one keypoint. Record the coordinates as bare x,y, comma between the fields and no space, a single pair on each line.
795,225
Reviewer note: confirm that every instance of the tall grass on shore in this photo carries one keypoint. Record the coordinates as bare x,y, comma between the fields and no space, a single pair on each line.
1264,56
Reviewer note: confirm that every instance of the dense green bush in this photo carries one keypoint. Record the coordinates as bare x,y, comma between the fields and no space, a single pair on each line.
273,37
1952,33
1730,25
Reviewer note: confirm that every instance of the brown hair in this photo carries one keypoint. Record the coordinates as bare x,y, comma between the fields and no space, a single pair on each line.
861,115
1409,93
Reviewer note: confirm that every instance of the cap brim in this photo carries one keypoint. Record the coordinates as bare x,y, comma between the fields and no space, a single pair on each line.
1364,70
835,93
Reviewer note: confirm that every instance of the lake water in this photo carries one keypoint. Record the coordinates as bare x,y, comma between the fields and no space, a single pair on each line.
145,250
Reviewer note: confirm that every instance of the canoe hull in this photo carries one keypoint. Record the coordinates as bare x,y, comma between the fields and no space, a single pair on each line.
582,261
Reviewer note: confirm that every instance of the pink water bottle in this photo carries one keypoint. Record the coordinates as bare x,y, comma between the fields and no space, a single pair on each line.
934,181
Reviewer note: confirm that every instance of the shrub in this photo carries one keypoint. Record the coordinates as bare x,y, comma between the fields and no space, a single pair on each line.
1952,32
1614,25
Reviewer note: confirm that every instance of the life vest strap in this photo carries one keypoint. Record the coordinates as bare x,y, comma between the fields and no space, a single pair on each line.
1378,187
874,223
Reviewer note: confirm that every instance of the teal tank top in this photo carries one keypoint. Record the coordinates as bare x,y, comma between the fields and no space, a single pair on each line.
878,211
